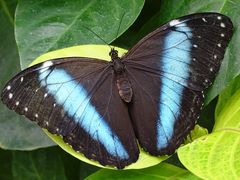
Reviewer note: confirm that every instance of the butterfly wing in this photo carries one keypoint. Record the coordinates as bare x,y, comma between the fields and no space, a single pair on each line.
78,100
168,70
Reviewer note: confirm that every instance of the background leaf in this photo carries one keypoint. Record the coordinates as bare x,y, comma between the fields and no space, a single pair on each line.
47,163
229,117
5,165
39,164
161,171
227,93
93,51
15,131
60,24
216,156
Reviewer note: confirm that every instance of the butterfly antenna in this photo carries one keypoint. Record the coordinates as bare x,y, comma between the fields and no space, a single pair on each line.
97,35
120,24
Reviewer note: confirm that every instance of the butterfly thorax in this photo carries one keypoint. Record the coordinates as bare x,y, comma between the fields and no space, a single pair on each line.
123,84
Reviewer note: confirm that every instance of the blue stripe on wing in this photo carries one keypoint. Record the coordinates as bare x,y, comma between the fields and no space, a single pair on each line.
76,102
176,45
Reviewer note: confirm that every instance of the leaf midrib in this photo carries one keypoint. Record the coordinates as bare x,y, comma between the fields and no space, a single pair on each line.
221,8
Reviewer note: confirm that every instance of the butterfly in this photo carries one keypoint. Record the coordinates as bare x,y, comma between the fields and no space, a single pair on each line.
150,97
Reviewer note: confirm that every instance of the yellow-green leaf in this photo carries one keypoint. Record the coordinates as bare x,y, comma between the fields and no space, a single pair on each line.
100,52
216,156
162,171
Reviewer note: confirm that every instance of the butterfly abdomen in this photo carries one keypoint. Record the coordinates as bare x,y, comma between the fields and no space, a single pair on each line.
124,88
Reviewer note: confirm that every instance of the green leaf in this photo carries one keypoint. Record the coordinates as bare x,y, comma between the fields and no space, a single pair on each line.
197,132
86,170
230,67
229,117
161,171
5,165
47,163
39,164
59,24
15,131
128,39
216,156
226,94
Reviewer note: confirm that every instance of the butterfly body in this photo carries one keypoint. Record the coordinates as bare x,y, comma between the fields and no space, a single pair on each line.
123,84
151,97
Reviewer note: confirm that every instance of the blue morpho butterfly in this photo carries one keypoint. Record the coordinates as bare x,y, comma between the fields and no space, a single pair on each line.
152,95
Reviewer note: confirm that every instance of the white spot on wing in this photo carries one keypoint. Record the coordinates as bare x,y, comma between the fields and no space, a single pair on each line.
215,56
222,35
45,95
45,66
174,22
10,95
219,17
36,115
26,109
8,87
204,19
17,103
21,79
195,45
211,69
219,45
223,25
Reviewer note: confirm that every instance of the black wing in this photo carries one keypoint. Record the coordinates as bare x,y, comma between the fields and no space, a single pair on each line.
77,98
168,70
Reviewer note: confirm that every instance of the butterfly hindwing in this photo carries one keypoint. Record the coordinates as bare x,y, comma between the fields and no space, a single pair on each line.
169,69
78,100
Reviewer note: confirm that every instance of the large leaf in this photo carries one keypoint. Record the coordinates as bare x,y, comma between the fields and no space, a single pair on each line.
5,165
47,163
227,93
129,38
58,24
174,8
216,156
94,51
15,131
229,117
39,164
161,171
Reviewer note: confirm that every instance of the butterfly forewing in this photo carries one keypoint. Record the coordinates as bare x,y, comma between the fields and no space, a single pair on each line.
169,69
78,100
